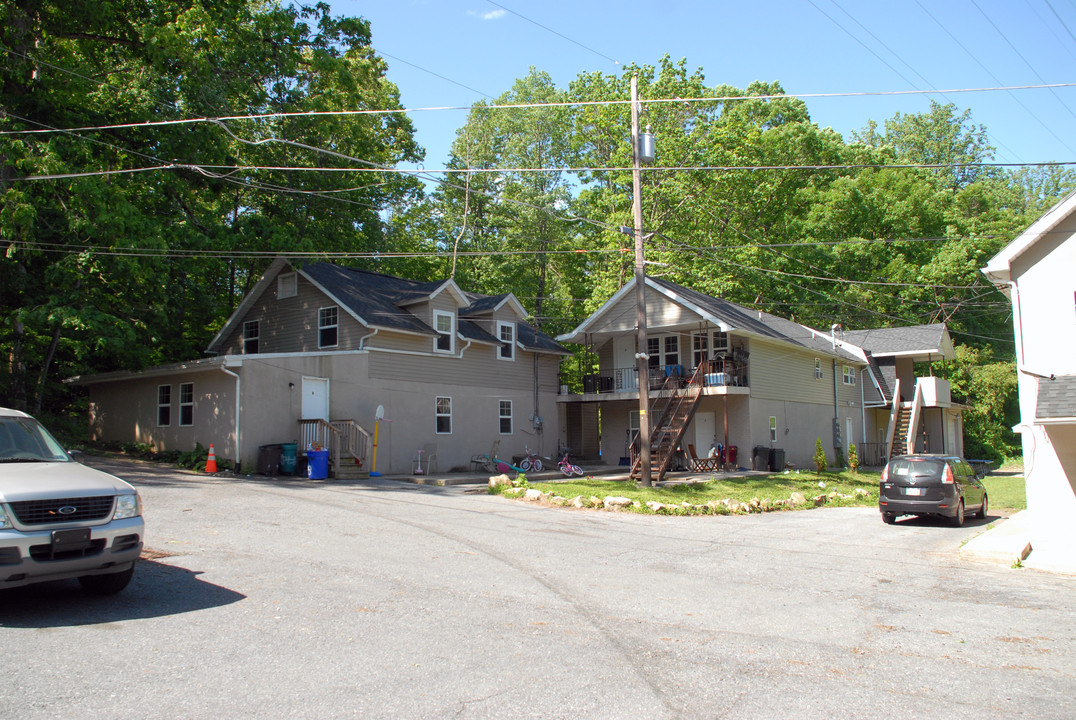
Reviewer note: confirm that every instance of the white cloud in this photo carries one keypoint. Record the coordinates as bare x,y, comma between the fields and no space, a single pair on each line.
491,15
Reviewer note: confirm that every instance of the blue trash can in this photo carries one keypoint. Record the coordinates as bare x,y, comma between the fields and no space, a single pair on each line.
317,467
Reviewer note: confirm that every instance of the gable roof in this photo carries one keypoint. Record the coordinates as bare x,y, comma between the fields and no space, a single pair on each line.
999,269
378,300
919,342
727,316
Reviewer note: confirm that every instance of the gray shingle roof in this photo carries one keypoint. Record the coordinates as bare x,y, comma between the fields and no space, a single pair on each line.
754,321
892,341
1057,398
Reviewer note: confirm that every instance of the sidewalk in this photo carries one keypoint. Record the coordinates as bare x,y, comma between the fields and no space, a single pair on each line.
1016,542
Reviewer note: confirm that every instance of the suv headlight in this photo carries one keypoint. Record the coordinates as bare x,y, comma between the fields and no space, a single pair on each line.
127,506
5,523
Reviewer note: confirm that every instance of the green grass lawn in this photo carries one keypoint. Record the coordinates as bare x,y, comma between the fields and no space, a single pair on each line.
770,488
1006,492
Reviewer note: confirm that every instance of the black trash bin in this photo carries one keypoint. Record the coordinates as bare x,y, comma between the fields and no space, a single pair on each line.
760,458
777,459
269,459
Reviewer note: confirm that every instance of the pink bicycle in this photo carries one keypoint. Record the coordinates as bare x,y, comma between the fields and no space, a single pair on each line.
567,468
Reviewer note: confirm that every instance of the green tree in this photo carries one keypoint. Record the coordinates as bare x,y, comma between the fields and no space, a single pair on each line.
108,268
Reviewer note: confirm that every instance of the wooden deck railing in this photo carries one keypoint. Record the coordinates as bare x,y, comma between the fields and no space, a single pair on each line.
342,438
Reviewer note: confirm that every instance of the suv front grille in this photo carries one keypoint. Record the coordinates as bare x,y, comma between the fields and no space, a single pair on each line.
45,512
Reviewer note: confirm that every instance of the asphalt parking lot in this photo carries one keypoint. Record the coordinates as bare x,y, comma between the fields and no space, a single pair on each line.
274,598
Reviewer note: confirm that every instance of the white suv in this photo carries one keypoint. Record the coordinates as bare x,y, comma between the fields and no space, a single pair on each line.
60,519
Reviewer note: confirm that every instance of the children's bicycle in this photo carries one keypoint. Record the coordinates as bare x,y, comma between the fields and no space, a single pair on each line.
566,466
531,462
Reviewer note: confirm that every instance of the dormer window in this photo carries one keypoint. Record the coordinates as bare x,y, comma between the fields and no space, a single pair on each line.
287,285
445,325
507,335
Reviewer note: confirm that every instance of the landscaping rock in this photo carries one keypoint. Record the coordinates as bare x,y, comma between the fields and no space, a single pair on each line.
533,495
797,499
498,480
820,500
579,502
655,506
615,501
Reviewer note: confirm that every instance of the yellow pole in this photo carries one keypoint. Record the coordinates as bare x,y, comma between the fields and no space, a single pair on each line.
373,462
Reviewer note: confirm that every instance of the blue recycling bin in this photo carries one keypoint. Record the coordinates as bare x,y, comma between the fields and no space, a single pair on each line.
317,464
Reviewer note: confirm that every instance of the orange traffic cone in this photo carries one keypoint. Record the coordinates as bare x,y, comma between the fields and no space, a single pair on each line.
211,462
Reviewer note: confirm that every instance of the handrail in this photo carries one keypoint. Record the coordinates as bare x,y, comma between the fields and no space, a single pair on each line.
894,413
913,422
340,437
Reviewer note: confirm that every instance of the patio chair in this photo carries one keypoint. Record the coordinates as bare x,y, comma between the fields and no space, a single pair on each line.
487,462
698,464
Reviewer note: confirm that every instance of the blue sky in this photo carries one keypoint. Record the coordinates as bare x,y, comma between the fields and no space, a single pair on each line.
810,46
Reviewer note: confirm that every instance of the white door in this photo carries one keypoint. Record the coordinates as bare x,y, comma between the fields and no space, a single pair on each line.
625,377
705,433
315,398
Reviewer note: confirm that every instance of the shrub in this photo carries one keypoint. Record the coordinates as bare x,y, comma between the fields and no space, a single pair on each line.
853,458
819,456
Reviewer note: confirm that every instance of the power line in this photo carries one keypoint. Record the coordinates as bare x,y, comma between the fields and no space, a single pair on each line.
526,106
550,30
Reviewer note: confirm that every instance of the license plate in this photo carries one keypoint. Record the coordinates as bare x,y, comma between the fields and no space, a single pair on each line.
67,540
913,491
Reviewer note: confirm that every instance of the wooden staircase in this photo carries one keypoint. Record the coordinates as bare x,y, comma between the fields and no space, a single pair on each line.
674,408
900,435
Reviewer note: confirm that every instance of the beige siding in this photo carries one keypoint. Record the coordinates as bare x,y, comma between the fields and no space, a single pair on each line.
778,372
478,367
660,313
291,324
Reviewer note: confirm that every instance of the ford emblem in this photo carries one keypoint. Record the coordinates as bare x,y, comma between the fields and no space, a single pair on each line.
68,510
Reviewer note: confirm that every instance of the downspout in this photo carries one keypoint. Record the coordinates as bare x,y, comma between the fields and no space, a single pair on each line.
238,425
364,338
863,406
536,421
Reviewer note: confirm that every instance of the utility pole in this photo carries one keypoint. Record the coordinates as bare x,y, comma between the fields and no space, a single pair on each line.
640,294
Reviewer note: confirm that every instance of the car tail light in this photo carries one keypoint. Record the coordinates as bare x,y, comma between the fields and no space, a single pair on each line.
947,478
885,473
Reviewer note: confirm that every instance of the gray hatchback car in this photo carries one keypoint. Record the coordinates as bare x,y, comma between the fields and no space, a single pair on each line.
60,519
943,485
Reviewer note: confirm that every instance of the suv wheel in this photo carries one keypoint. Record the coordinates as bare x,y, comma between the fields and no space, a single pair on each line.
107,584
889,518
958,519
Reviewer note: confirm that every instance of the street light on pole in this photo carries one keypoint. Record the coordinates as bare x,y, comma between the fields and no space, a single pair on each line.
642,149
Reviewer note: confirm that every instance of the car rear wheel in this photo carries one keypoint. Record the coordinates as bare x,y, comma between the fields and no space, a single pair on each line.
983,510
958,519
107,584
889,518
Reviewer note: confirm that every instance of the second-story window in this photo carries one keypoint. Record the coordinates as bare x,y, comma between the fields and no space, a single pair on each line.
699,349
849,375
721,343
507,333
818,368
251,335
445,325
328,327
672,350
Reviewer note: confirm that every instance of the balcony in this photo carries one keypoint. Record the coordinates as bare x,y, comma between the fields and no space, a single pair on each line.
718,373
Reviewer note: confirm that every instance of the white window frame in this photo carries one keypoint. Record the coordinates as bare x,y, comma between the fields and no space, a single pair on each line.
773,428
700,348
442,408
818,369
186,403
166,406
254,337
502,406
507,350
722,347
287,285
849,373
450,333
323,326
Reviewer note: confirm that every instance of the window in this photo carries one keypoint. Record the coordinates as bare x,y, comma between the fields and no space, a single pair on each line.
849,375
672,350
773,428
186,404
653,352
507,333
251,333
817,369
505,416
444,415
699,349
328,327
164,405
445,325
721,343
287,285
